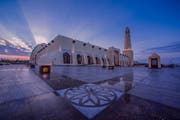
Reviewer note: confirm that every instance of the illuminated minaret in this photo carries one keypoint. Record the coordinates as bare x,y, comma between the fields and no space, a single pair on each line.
127,46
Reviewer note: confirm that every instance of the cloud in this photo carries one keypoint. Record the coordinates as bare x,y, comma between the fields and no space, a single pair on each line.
40,39
168,53
174,47
14,23
20,43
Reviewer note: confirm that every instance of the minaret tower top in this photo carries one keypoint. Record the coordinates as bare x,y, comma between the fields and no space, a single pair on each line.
127,46
127,40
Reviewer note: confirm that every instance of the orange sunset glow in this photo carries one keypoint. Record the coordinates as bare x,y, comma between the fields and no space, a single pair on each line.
14,57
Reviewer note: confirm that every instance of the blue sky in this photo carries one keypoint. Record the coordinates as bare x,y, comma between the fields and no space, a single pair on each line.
154,24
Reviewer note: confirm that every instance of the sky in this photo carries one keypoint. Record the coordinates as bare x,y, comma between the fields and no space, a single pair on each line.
154,24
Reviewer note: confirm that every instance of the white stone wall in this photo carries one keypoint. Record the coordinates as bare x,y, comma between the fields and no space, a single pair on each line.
53,53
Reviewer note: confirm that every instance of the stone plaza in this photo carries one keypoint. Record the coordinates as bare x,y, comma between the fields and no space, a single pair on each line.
89,92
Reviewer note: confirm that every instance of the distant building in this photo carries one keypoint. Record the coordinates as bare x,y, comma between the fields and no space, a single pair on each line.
67,51
154,61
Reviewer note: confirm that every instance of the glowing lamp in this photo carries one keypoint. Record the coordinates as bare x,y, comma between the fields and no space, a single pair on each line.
45,69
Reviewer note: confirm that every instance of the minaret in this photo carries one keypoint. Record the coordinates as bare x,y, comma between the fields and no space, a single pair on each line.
127,46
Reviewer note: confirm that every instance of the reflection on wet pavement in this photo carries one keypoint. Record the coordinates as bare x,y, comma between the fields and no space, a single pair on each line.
157,85
89,93
123,83
130,107
18,82
60,82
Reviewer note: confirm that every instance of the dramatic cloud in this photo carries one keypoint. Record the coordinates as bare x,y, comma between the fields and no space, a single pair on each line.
174,47
168,53
100,22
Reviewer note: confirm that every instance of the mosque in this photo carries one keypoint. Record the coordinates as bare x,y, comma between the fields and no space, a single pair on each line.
67,51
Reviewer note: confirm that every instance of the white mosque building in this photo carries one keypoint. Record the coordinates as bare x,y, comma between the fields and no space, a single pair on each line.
67,51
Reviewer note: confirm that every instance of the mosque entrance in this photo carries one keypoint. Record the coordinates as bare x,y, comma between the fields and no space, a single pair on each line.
90,60
98,60
154,63
66,58
79,59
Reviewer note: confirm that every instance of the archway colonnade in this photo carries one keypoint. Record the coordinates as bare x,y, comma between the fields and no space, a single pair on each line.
84,59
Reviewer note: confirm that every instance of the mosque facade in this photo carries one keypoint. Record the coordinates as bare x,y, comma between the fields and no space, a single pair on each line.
67,51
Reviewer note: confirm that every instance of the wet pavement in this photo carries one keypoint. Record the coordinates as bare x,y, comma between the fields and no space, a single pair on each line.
89,93
18,82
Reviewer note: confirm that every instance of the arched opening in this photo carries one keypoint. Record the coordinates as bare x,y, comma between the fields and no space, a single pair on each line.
154,63
90,60
66,58
79,59
98,60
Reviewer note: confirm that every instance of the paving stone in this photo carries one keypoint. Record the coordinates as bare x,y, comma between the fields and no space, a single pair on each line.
145,93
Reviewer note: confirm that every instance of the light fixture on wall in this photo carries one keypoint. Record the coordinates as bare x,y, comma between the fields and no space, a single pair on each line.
45,69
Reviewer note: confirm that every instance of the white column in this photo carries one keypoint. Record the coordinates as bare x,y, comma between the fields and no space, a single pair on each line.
74,59
85,59
94,60
60,59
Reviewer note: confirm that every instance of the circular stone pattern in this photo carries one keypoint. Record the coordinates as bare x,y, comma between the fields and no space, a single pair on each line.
90,95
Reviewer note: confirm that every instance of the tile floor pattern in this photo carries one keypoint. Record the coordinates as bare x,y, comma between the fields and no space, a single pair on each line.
90,99
69,92
160,85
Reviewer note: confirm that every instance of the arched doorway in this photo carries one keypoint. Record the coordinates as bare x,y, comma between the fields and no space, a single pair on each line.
98,60
79,59
66,58
154,63
90,60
